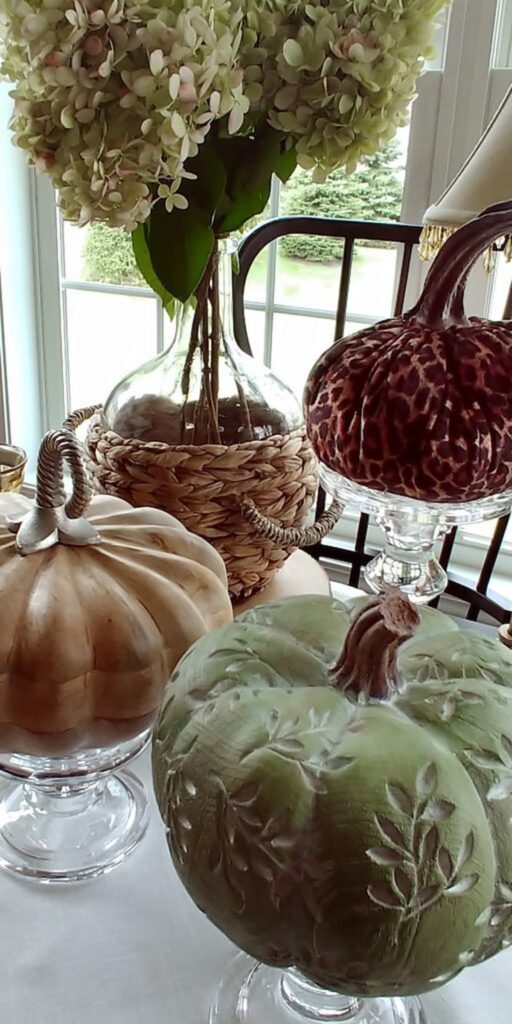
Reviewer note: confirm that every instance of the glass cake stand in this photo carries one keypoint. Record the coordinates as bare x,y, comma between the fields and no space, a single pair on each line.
73,817
252,993
411,529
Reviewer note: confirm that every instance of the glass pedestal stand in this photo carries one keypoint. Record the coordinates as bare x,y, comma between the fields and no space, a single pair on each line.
252,993
69,819
411,529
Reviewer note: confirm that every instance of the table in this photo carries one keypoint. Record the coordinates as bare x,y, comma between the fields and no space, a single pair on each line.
131,948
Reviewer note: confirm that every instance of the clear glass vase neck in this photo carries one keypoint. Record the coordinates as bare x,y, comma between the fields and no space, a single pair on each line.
215,295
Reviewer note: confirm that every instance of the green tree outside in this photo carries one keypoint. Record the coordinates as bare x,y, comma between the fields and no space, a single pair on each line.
107,257
372,192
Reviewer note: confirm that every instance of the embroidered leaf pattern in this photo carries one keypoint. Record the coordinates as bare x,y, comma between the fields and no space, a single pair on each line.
498,920
501,790
484,759
179,787
384,855
428,845
466,852
506,743
421,870
426,780
390,831
463,886
438,810
337,762
425,896
384,896
399,799
403,884
290,738
444,864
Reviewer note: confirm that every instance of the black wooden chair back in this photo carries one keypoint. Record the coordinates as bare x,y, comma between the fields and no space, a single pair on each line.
478,595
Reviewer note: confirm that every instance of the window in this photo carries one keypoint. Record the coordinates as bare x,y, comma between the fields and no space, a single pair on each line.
69,337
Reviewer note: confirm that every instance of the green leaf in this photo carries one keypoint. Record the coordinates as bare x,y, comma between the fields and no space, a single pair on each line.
179,243
207,189
241,210
249,164
286,165
143,261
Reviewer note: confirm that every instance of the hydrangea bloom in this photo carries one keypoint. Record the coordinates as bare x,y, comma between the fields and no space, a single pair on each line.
112,96
339,77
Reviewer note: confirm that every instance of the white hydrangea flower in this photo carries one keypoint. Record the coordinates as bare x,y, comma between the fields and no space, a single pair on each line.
112,96
338,77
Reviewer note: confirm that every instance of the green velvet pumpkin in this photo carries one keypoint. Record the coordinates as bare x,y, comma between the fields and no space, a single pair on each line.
349,814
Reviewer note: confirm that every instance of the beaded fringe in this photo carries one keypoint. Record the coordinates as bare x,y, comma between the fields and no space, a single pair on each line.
434,236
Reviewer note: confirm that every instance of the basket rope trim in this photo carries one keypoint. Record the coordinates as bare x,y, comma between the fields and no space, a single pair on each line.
293,536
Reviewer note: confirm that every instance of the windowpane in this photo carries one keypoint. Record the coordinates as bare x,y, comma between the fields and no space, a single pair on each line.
108,337
440,40
101,254
503,36
256,284
304,280
74,239
501,285
298,341
372,281
372,192
255,323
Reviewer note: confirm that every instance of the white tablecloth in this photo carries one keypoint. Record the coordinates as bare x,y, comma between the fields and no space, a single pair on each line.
131,948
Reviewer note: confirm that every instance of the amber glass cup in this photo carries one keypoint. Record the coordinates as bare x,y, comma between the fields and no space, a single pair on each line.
12,467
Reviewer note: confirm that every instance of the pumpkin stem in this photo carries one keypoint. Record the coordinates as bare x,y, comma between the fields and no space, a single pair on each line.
52,519
58,446
441,303
367,664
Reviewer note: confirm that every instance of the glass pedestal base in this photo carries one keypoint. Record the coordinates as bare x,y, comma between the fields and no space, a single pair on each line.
252,993
411,530
71,819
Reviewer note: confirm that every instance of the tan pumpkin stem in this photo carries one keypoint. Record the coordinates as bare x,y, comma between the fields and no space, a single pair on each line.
367,664
292,536
56,447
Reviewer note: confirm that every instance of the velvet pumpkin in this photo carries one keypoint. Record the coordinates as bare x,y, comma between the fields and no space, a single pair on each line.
421,405
348,814
93,624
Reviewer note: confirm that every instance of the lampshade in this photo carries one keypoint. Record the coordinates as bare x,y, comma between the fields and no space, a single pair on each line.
484,180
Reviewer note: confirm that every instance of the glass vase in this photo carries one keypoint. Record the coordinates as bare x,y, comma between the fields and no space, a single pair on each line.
253,993
204,389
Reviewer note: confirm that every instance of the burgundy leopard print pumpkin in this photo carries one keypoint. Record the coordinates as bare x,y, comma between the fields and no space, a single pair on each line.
421,405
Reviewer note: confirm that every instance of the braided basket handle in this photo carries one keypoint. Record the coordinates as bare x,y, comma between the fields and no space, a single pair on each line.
291,536
75,419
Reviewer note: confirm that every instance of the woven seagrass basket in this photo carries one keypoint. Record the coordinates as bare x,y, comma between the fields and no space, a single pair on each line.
249,500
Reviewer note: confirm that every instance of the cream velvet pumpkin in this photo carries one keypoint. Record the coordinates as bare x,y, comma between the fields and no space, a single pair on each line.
90,634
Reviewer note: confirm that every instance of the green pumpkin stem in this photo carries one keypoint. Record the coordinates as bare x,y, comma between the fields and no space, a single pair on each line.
367,665
441,304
